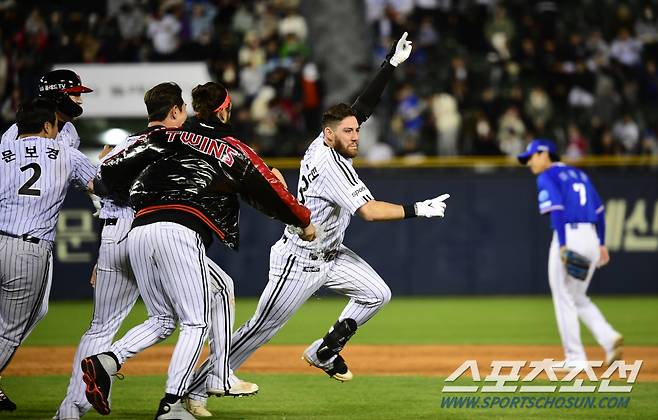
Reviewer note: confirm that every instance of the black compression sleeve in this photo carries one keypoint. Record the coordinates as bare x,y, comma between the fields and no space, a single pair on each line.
367,101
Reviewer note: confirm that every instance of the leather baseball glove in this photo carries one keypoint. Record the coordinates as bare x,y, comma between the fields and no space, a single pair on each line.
577,265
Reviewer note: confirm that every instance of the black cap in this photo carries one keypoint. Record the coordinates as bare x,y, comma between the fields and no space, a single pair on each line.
66,81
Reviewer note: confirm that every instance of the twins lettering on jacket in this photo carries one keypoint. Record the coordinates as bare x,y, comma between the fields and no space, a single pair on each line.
206,145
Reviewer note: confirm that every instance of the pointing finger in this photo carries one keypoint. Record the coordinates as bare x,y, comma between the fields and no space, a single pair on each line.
443,197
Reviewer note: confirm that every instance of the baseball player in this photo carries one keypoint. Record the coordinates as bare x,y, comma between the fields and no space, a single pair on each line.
116,290
36,170
332,190
578,246
186,194
65,89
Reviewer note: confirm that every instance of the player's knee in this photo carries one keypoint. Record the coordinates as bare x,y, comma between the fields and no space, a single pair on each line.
385,295
165,326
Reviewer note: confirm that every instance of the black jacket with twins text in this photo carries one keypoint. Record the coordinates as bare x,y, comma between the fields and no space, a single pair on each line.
193,176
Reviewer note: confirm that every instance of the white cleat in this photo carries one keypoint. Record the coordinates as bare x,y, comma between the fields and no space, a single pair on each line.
239,389
334,367
616,352
197,408
175,411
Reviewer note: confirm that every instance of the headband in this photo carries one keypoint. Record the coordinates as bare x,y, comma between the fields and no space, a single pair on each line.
225,104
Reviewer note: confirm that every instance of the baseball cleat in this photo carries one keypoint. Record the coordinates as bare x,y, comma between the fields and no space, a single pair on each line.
5,403
97,371
239,389
617,351
197,408
335,367
175,411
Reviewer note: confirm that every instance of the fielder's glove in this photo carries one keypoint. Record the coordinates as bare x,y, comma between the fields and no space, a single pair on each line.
401,52
577,265
435,207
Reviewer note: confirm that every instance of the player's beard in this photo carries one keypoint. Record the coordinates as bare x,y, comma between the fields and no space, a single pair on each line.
346,151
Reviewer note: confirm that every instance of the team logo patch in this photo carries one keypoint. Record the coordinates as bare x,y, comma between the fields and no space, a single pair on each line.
543,195
311,269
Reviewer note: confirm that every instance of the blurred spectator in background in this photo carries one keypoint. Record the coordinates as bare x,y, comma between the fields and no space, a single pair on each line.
484,76
538,108
484,143
408,121
132,25
627,133
164,30
511,132
576,143
649,143
448,122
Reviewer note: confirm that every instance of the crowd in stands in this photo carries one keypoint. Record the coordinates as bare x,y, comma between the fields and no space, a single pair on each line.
484,78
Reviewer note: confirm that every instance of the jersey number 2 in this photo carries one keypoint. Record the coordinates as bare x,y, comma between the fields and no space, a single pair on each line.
25,189
579,187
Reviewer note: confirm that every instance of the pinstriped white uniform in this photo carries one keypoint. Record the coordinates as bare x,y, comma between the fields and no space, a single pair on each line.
35,174
68,134
333,192
178,283
115,294
169,261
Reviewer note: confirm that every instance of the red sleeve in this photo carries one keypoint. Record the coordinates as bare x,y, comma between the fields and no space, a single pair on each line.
300,213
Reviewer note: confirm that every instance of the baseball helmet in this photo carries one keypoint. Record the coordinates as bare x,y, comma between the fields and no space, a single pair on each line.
66,81
57,85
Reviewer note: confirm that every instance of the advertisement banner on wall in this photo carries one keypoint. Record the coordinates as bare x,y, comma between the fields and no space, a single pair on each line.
119,88
492,240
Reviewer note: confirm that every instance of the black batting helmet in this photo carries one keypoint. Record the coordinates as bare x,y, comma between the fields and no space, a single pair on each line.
66,81
57,85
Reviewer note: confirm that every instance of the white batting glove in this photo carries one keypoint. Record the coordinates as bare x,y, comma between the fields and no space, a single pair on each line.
435,207
96,201
402,51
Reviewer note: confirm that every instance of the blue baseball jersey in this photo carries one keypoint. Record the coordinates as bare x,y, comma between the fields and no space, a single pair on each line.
562,187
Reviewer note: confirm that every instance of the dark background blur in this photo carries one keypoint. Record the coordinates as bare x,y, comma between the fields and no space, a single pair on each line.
485,76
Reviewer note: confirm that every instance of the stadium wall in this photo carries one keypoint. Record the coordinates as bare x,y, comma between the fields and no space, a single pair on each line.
492,241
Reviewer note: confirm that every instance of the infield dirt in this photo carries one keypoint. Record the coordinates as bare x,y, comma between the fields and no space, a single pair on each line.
410,360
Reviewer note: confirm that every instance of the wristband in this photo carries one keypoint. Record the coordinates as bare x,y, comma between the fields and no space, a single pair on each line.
409,211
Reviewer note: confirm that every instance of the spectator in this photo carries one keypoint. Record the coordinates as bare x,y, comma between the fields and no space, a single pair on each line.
626,49
407,127
164,31
448,122
538,108
627,133
484,143
649,143
293,23
201,28
511,132
576,143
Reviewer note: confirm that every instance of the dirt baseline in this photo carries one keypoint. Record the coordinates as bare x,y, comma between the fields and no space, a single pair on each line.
417,360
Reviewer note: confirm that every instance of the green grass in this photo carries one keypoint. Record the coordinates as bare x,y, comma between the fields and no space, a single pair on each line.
447,320
316,397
